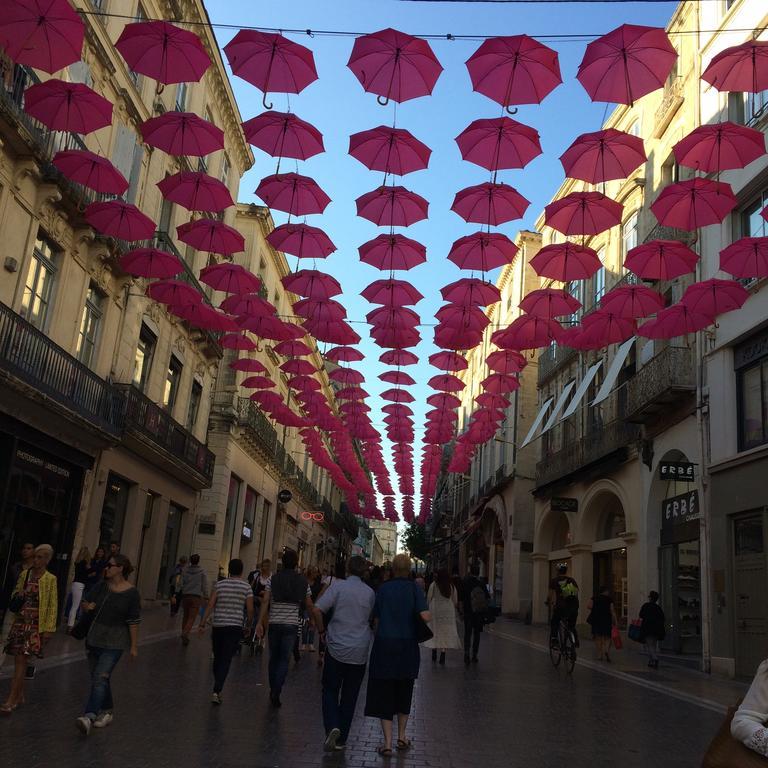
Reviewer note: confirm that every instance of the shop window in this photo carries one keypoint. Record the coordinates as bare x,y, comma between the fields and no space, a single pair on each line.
38,289
172,379
752,385
561,537
113,509
145,351
90,324
195,396
613,525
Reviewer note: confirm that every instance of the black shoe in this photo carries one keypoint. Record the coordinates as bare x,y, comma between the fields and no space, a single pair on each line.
442,657
434,654
466,661
275,699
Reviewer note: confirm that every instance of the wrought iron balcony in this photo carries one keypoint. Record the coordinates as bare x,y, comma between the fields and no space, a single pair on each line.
671,99
30,357
178,450
660,232
553,358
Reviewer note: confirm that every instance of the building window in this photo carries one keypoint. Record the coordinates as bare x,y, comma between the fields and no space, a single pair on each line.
224,172
753,405
747,108
145,351
576,289
598,281
172,379
140,15
233,498
98,4
195,396
751,223
181,97
249,515
628,236
670,171
634,129
38,290
89,324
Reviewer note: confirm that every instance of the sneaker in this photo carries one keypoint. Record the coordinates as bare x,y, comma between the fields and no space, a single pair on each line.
330,740
84,725
103,720
216,698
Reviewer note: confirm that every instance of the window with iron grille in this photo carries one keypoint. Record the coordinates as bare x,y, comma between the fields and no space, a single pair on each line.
90,323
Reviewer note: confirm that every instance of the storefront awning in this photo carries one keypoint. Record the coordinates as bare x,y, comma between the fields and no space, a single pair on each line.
559,405
613,371
581,389
537,422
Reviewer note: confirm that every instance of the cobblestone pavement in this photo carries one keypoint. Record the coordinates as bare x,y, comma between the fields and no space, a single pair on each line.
511,709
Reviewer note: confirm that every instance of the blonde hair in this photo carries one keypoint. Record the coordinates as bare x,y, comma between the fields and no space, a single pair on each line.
45,549
401,565
83,554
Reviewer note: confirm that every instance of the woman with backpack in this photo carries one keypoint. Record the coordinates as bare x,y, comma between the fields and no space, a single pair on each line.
443,599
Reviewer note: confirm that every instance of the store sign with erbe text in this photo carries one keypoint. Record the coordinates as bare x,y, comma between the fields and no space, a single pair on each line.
677,470
680,509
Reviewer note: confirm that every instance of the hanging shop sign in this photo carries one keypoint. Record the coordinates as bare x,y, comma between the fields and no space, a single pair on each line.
677,510
677,470
564,504
284,496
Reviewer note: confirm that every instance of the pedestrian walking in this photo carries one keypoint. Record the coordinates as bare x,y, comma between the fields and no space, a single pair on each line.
474,608
34,604
26,559
394,664
116,607
307,625
653,628
602,619
443,601
98,566
114,548
82,569
194,591
343,616
174,583
326,581
286,594
231,598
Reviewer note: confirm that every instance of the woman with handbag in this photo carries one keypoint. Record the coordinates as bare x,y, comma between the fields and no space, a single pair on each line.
652,629
35,603
602,619
112,616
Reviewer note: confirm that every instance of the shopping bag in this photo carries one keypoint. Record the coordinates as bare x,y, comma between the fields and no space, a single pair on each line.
616,638
635,630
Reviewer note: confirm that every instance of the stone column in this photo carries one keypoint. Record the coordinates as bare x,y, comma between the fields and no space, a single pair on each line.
510,601
540,587
582,570
153,549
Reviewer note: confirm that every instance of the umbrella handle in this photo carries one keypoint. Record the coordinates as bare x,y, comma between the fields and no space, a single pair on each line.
511,110
264,101
383,103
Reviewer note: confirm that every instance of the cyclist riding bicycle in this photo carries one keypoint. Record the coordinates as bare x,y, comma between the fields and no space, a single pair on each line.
563,599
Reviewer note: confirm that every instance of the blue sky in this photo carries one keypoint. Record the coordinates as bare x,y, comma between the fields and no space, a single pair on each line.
338,106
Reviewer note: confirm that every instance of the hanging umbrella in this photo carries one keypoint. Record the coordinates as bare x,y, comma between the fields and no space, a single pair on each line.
604,327
312,284
398,357
720,147
196,191
283,134
393,317
295,194
444,401
292,330
44,34
391,293
445,382
514,70
661,260
265,327
351,393
464,317
489,203
528,332
346,376
456,337
550,302
390,252
64,106
566,261
248,365
251,305
203,316
500,384
471,292
332,331
90,170
344,355
174,292
489,400
449,361
391,150
677,320
583,213
398,378
396,338
394,65
182,133
482,251
164,52
632,301
211,235
499,143
506,361
151,262
692,204
271,62
293,348
326,310
626,64
392,207
118,219
237,341
304,384
397,396
230,278
603,156
301,240
740,68
257,382
746,258
713,297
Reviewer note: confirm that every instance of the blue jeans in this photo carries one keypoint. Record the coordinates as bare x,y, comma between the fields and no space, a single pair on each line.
101,662
341,684
282,638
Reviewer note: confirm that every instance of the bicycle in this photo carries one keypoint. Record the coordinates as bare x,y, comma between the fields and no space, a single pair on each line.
564,647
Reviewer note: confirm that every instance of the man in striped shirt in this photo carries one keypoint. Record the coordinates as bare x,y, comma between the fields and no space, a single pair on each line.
230,596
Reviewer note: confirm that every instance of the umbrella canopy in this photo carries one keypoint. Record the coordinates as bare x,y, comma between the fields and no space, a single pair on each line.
398,378
746,258
162,51
392,207
302,241
295,194
471,292
398,357
271,62
320,309
91,170
283,134
151,262
456,337
603,156
506,361
44,34
248,365
566,261
64,106
237,341
265,327
389,252
298,367
528,332
482,251
344,355
626,64
393,317
631,301
444,401
230,278
211,235
196,191
332,331
182,133
490,400
500,384
514,70
713,297
490,203
391,150
351,393
583,213
464,317
304,384
397,396
693,204
720,147
498,143
118,219
550,302
604,327
661,260
247,305
445,382
257,382
203,316
174,292
396,338
391,293
394,65
677,320
449,361
293,348
346,376
312,284
740,68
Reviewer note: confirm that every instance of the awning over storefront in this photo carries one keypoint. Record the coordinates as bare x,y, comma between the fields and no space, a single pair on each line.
581,390
559,406
613,371
537,422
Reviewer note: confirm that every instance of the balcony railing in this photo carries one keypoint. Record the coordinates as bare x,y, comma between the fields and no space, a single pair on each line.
29,355
553,358
660,232
660,384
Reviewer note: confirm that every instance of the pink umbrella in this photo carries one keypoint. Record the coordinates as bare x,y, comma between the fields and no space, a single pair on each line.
394,65
283,134
583,213
230,278
489,203
250,304
677,320
506,361
396,338
740,68
237,341
528,332
196,191
351,393
603,156
482,251
464,317
293,348
249,365
298,367
714,297
332,331
203,316
344,355
391,150
444,401
64,106
391,293
174,292
603,327
720,147
301,240
312,284
392,206
566,261
397,396
692,204
118,219
267,400
182,133
271,62
746,258
661,260
292,330
393,317
445,382
320,309
498,143
455,337
631,301
211,235
346,376
162,51
304,384
390,252
626,64
399,378
471,292
91,170
449,361
514,70
295,194
550,302
500,384
398,357
265,327
489,400
44,34
257,382
151,262
764,213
